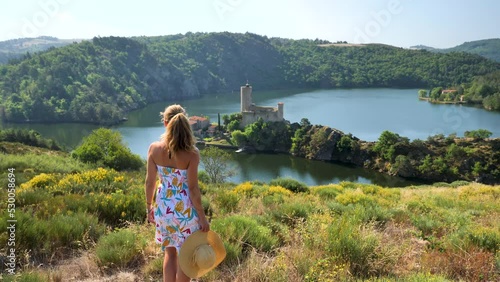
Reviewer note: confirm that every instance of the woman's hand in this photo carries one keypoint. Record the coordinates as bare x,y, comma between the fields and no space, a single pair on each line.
151,216
204,225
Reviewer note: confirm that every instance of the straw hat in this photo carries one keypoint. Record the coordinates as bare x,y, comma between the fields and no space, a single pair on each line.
200,253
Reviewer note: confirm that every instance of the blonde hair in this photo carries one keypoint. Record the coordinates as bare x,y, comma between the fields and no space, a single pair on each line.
178,134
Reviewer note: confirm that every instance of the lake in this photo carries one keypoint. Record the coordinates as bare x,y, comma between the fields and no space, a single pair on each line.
363,112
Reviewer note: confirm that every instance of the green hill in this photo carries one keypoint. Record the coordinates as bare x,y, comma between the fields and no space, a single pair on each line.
17,48
488,48
100,80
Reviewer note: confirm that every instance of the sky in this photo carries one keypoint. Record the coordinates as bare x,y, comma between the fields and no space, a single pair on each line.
402,23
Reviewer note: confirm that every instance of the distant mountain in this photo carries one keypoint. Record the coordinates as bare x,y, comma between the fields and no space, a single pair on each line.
17,48
423,47
488,48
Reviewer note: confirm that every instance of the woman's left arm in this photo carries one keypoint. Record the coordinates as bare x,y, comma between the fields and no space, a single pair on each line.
194,190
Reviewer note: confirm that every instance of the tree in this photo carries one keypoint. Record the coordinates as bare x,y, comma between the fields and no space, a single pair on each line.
105,147
239,138
386,144
422,93
478,134
216,164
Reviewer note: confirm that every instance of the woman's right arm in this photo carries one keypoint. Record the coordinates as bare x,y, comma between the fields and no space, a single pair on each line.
150,183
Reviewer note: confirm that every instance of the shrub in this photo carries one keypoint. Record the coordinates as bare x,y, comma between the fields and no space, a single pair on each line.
353,197
46,238
226,201
116,208
41,181
244,189
277,190
105,146
289,212
355,246
327,192
98,180
245,231
290,184
203,177
458,183
119,248
370,213
486,238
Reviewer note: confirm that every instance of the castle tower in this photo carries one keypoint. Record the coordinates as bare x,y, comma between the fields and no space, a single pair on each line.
280,111
246,97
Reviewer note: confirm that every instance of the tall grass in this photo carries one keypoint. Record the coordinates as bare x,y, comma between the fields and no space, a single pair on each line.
337,232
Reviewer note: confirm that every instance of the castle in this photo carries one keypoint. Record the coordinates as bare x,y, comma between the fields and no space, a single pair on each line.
251,113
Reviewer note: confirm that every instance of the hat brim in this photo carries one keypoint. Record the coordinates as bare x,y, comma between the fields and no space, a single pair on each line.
191,243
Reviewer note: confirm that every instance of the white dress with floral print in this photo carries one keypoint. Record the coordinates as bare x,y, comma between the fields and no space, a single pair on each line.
175,217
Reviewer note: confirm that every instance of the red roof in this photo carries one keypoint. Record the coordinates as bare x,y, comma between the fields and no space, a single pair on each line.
448,91
198,118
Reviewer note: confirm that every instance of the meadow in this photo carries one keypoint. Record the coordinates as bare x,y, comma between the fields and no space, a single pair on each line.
78,222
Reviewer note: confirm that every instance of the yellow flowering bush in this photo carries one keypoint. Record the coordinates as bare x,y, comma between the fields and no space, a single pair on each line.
244,189
98,180
352,197
115,208
274,190
327,192
42,180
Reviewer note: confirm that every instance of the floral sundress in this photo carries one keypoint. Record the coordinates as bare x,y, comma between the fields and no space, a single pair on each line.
175,216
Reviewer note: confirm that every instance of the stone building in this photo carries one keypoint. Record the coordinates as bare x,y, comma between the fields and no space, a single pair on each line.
251,113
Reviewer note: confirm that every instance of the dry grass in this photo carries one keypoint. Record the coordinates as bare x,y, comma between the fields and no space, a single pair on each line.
462,265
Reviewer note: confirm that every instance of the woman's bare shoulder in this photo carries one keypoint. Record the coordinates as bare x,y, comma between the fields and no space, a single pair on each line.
155,146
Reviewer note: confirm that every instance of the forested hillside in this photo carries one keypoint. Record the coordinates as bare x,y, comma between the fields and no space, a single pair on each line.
484,90
488,48
100,80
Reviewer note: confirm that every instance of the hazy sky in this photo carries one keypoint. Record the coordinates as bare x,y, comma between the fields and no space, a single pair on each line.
437,23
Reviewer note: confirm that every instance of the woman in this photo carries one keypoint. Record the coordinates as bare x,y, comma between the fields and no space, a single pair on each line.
177,211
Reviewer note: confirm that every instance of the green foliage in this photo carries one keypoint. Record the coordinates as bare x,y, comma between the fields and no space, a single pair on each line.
105,146
46,237
239,138
102,79
48,163
216,164
120,248
387,145
487,48
28,137
26,277
422,93
245,231
290,184
226,201
347,143
353,245
290,212
232,121
478,134
327,192
203,176
486,238
265,136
